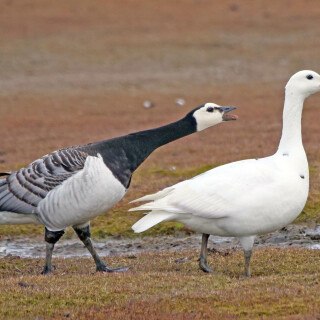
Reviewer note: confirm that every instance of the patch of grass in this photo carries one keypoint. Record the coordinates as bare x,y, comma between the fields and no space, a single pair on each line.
311,211
186,173
284,285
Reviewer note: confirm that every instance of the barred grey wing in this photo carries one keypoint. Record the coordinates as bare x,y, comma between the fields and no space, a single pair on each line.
22,190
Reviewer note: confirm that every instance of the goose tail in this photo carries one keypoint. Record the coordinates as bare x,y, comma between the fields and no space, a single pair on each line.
2,174
155,196
151,219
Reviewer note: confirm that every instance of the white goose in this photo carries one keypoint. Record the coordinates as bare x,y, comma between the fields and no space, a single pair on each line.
71,186
245,198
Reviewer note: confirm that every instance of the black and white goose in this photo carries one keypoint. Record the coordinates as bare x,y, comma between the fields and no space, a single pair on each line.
69,187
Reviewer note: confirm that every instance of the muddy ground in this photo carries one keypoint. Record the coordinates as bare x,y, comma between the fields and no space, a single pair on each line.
289,237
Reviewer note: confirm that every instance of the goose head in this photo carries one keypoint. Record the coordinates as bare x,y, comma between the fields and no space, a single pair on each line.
210,114
305,83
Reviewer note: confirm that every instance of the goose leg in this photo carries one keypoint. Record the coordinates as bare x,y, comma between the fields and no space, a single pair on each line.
84,235
203,254
247,244
51,238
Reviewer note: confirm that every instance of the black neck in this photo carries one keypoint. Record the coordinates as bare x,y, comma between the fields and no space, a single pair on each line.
149,140
123,155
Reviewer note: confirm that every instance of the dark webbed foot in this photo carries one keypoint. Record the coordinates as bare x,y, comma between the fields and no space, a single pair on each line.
46,271
203,264
84,235
103,268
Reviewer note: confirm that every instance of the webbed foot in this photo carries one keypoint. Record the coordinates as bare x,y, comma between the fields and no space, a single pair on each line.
203,264
104,268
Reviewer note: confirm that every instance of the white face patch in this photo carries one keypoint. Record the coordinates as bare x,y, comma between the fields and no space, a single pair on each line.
208,116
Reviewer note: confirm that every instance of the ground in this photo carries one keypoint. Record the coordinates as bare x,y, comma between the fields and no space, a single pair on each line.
73,72
284,285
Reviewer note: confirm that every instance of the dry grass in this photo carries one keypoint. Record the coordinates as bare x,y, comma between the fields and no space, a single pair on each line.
284,285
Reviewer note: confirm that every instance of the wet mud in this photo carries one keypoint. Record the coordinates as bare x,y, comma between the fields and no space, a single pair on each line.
294,236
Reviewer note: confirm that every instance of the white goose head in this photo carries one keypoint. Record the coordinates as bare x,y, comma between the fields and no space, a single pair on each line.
305,83
211,114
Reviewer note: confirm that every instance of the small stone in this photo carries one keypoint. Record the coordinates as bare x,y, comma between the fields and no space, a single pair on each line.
23,284
180,102
148,104
315,237
234,7
183,260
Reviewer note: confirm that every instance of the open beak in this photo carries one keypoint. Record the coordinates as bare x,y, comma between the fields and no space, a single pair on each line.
227,117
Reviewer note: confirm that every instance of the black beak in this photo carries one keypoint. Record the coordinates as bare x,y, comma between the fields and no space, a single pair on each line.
226,117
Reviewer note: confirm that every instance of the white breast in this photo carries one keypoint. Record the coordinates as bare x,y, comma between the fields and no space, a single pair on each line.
87,194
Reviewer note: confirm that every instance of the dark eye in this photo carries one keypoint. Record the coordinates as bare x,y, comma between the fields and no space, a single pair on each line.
309,76
210,109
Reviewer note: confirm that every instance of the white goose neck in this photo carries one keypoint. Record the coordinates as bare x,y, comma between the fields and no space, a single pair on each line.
291,138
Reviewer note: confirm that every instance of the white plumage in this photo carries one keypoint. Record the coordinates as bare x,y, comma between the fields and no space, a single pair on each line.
238,199
244,198
84,196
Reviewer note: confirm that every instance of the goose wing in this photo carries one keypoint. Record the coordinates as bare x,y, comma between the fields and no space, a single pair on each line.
220,192
22,190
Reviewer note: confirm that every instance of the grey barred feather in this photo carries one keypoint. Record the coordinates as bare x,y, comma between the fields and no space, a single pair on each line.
22,190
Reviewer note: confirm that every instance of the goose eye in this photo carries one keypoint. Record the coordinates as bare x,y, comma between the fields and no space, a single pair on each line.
309,76
210,109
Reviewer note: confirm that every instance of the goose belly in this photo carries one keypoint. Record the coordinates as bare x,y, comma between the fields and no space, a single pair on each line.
243,225
87,194
252,221
17,218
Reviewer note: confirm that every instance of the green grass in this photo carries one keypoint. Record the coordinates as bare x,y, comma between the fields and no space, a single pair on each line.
285,284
